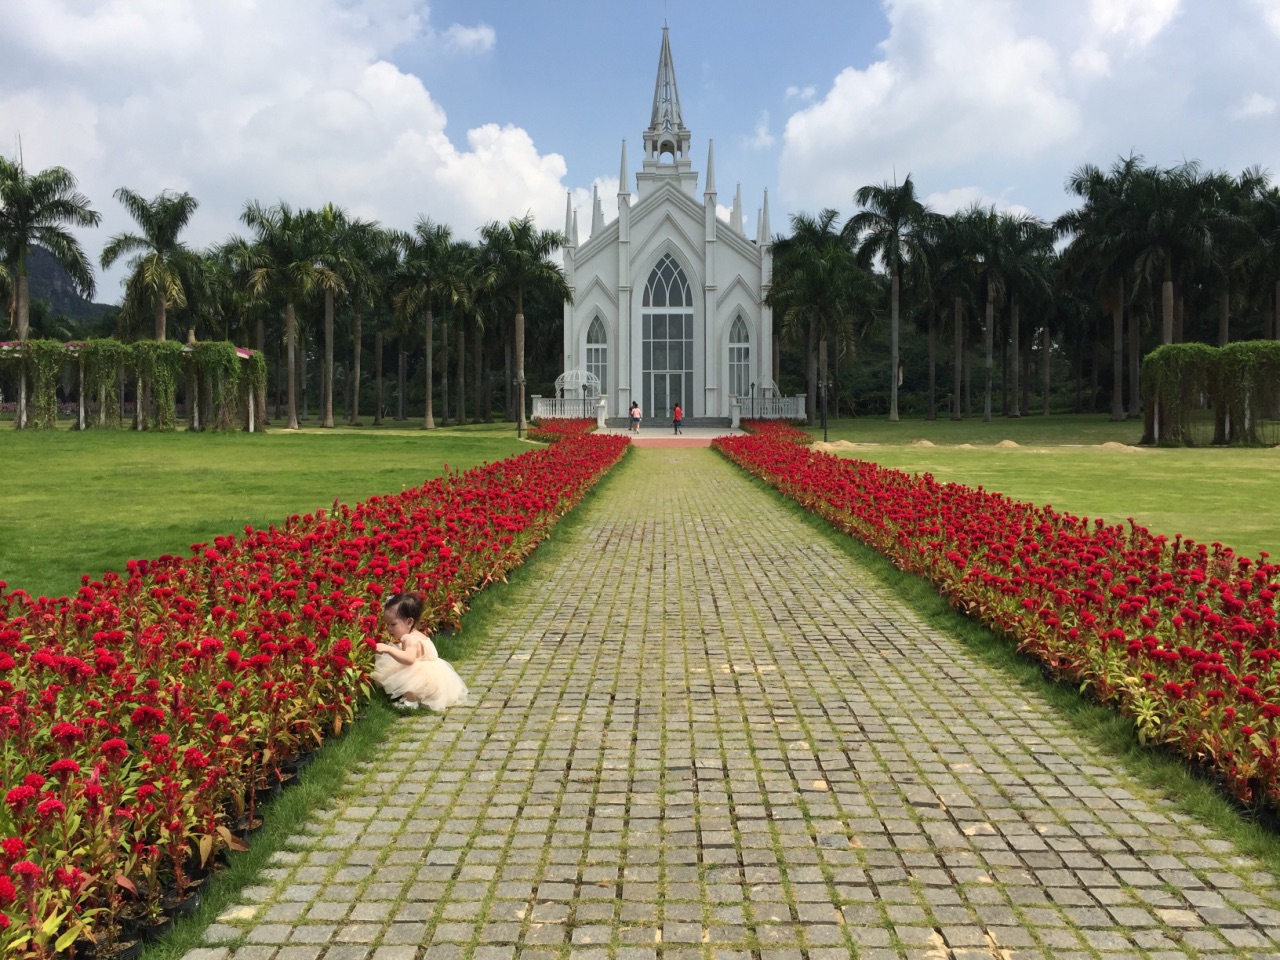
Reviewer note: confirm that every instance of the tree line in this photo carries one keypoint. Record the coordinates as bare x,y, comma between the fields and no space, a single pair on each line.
300,277
1151,255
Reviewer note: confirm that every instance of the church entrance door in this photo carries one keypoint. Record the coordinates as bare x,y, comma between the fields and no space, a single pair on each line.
666,342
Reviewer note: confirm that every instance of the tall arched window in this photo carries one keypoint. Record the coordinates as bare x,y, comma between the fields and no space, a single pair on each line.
667,341
739,358
598,354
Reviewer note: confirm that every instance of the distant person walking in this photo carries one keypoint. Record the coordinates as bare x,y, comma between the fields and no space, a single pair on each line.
635,416
677,418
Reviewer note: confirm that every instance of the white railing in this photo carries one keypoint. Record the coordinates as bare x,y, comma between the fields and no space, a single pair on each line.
564,408
771,408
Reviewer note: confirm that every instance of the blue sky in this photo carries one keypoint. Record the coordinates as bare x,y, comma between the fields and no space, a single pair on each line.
471,111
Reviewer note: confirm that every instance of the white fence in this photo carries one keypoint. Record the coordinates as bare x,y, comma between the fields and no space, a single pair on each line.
564,408
771,408
748,408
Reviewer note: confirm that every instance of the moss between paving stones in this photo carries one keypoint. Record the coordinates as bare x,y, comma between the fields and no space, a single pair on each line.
1253,832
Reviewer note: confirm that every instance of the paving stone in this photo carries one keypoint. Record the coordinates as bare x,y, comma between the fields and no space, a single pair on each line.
734,730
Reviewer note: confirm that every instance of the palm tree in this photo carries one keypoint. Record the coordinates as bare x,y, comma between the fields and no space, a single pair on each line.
282,265
818,291
35,211
378,250
947,267
161,265
1026,248
891,228
1105,238
1233,228
518,253
432,273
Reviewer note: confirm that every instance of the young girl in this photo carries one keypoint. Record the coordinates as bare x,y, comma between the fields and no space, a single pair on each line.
409,668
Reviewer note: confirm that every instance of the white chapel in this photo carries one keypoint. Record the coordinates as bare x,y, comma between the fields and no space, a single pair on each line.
668,300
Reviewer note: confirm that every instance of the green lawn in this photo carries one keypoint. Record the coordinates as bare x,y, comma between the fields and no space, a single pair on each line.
77,503
1209,494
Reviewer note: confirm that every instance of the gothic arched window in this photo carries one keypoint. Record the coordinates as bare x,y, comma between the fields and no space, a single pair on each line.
667,341
598,354
739,358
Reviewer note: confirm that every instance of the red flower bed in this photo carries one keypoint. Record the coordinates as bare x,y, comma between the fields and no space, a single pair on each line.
139,717
551,430
1180,636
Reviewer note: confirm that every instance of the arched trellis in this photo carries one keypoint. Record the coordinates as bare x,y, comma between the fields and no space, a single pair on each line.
578,384
232,381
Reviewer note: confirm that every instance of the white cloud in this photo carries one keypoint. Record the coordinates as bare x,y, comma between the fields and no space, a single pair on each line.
958,198
1136,21
956,82
1255,105
1270,10
478,39
292,100
761,138
801,93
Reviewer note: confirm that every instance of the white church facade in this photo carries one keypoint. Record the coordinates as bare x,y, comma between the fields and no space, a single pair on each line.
668,299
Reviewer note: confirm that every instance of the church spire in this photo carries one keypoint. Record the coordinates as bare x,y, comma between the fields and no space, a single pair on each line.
666,142
666,98
735,214
622,174
711,168
597,211
569,238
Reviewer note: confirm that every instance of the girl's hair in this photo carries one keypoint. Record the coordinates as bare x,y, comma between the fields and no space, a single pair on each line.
406,606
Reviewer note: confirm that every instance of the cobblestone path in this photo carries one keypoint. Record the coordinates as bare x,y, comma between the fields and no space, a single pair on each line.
708,734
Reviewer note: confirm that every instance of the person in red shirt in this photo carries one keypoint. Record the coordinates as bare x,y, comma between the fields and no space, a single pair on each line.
677,418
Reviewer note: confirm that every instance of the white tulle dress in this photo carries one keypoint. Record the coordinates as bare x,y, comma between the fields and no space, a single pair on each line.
428,682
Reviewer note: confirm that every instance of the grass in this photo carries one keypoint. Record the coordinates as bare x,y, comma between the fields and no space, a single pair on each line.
1224,494
84,503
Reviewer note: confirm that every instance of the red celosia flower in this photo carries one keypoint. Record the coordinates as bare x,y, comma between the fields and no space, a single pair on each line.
115,750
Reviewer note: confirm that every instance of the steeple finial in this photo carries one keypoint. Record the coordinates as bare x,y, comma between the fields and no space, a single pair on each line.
568,218
735,215
764,217
711,167
573,236
597,210
622,173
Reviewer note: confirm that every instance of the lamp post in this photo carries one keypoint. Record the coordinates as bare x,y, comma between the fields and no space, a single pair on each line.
824,386
753,401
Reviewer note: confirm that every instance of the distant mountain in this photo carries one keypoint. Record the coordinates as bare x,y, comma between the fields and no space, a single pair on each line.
48,281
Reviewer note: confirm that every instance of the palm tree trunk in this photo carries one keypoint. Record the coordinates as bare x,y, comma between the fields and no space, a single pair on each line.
444,371
967,358
304,396
377,378
326,374
1046,356
24,330
893,347
933,367
957,361
428,412
811,370
481,408
520,425
1015,351
1135,347
353,382
988,335
291,340
401,371
462,375
159,316
1117,354
508,393
1166,308
260,338
1224,317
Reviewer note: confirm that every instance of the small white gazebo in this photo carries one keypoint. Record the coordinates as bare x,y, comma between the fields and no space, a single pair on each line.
577,396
